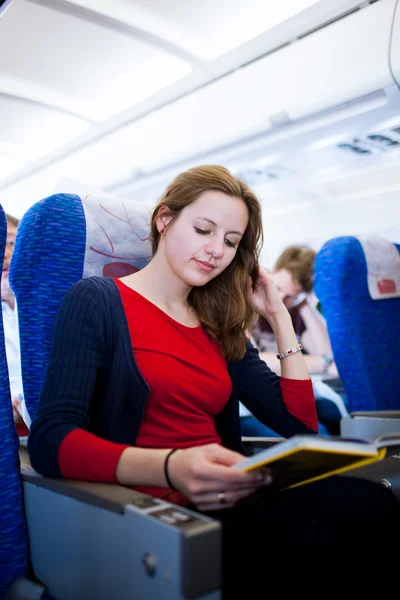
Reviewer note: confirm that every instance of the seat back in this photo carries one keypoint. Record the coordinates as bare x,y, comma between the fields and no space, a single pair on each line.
13,535
61,239
364,332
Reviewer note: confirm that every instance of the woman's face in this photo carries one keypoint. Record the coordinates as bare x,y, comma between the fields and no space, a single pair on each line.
202,241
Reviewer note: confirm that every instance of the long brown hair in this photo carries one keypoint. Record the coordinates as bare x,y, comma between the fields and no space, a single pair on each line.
222,305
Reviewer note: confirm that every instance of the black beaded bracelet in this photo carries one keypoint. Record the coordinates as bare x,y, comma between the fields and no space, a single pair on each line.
170,453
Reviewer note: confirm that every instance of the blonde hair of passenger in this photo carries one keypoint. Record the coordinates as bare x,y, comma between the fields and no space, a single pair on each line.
12,220
298,260
222,305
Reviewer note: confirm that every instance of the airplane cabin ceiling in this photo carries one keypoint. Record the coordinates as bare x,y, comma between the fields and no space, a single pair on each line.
206,29
83,82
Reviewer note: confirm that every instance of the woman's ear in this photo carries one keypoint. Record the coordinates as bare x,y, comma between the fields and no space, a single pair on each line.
163,218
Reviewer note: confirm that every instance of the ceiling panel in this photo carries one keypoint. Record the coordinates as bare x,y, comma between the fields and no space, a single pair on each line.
93,70
10,164
372,176
93,57
210,29
30,130
206,29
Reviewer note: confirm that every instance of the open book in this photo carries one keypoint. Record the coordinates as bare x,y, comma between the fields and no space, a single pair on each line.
304,458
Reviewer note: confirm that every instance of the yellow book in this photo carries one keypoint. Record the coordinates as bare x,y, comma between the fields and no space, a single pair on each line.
302,459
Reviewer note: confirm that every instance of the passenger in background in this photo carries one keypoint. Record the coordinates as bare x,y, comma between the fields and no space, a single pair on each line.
144,379
11,332
293,275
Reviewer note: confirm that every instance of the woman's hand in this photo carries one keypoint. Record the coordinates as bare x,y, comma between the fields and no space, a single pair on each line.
266,298
204,475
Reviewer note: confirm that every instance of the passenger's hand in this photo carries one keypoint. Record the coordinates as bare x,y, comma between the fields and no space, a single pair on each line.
17,411
204,475
302,300
265,298
332,370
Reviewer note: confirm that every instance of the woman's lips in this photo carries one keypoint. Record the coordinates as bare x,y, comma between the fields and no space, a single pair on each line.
205,265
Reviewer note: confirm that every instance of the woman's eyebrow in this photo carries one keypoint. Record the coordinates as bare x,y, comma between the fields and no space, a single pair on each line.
212,223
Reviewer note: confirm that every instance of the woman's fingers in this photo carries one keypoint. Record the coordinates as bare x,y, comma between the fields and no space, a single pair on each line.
217,469
217,476
204,473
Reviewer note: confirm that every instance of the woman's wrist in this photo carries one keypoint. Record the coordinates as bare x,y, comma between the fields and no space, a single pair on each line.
142,466
166,469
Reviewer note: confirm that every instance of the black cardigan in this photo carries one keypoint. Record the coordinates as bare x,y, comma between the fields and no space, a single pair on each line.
92,381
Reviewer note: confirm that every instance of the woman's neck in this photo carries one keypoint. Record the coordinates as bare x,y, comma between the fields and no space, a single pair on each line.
164,289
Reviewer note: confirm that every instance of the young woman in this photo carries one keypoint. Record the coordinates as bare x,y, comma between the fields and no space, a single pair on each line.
146,373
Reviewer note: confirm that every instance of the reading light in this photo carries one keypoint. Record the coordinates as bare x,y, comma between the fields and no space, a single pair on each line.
340,113
305,125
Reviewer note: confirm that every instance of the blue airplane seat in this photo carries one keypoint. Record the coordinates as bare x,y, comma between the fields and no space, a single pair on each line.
47,264
64,239
364,332
126,534
13,534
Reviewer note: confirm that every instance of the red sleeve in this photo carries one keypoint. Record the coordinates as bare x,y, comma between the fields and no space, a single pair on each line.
298,396
83,455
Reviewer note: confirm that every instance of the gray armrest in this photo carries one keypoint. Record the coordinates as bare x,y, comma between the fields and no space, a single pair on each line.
377,414
369,425
94,540
108,496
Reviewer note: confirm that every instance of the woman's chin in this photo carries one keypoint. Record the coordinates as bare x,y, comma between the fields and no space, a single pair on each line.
198,279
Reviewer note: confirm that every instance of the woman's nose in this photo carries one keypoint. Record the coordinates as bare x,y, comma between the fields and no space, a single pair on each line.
216,248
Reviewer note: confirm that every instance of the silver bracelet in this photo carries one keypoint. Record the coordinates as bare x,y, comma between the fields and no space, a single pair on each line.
289,352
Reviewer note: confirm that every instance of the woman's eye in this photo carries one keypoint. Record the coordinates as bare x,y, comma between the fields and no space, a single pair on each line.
230,244
201,231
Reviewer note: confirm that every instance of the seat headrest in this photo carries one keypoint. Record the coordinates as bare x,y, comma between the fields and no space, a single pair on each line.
117,235
383,267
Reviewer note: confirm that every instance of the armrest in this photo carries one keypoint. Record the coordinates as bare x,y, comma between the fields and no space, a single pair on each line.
377,414
109,496
369,425
108,541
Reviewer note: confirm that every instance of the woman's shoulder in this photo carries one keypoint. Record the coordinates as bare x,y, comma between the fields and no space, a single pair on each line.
90,289
94,282
95,299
